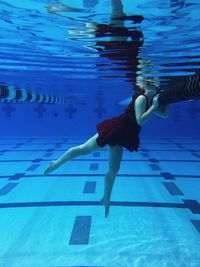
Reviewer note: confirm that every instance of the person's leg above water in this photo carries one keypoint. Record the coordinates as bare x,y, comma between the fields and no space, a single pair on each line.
115,156
83,149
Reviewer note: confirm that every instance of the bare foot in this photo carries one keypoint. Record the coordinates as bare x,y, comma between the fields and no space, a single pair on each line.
52,166
106,204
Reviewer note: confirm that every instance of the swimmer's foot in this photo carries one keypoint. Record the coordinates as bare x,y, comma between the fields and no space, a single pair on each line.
52,166
106,204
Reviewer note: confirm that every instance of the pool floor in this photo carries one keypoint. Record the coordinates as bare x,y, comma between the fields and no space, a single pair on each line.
58,220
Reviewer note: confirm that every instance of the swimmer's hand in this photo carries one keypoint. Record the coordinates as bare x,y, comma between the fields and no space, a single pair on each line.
155,102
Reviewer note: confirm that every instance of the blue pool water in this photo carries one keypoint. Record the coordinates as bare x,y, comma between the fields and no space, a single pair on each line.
64,67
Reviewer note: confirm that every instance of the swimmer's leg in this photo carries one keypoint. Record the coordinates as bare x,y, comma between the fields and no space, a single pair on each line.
115,156
83,149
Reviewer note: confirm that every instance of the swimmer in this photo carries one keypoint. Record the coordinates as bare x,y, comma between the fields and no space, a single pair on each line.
118,132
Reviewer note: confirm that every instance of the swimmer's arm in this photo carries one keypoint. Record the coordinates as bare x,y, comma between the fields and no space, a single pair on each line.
140,114
162,111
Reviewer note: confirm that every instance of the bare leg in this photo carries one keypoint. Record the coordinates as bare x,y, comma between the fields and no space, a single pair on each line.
115,156
86,148
117,12
117,9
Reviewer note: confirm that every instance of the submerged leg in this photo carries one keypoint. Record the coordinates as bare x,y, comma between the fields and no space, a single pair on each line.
115,156
83,149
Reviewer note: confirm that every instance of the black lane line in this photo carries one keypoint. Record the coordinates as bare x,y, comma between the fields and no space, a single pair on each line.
192,205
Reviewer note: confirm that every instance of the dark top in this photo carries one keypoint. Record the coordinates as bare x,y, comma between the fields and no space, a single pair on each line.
122,130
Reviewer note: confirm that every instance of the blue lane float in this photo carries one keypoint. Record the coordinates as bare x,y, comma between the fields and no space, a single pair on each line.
20,95
180,89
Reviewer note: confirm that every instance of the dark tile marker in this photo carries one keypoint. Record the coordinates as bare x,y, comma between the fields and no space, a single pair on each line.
155,167
96,154
167,176
36,160
196,224
193,205
94,166
81,230
173,189
89,188
17,176
153,160
33,167
7,188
